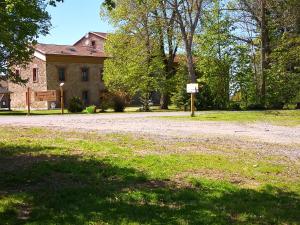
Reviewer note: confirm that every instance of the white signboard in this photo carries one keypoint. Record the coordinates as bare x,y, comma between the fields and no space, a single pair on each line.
192,88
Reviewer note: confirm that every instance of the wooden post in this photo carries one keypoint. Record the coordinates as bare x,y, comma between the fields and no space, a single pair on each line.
192,104
9,100
62,99
28,99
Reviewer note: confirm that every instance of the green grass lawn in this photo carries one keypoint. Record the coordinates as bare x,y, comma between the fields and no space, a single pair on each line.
33,112
58,111
53,177
277,117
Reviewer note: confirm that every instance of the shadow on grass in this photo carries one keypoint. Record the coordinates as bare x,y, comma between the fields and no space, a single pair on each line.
52,189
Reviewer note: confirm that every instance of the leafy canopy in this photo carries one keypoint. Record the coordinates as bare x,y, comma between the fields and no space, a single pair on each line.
21,23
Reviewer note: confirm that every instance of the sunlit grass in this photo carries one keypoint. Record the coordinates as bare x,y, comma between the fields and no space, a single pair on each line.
131,109
280,117
56,177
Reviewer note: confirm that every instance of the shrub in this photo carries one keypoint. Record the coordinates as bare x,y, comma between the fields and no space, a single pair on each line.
204,99
235,106
105,101
118,103
75,105
277,105
256,107
91,109
180,99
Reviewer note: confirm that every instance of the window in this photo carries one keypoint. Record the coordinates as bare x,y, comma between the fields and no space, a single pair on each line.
94,44
61,74
35,74
85,74
85,97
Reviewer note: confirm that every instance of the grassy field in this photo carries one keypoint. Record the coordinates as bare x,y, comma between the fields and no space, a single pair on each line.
33,112
53,177
58,111
278,117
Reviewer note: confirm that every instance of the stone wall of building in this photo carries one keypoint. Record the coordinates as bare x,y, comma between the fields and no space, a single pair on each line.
18,96
74,86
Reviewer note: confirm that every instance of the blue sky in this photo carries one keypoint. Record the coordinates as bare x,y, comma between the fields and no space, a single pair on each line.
73,19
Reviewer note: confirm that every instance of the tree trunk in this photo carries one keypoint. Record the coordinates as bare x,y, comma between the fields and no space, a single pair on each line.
168,60
188,20
164,101
190,63
264,51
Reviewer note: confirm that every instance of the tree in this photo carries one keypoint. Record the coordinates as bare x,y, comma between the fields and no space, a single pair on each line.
167,16
213,50
164,30
252,17
243,82
128,72
188,15
270,20
136,66
179,96
283,82
261,19
21,23
254,58
169,39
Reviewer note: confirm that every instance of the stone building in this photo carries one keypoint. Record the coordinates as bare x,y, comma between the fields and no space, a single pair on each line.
78,66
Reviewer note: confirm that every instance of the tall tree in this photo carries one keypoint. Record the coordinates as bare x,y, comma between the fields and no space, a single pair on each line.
129,71
252,22
169,38
265,48
276,23
21,23
188,13
159,26
214,50
283,82
138,59
258,11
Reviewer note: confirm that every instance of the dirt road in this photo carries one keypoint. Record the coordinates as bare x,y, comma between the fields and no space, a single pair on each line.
153,124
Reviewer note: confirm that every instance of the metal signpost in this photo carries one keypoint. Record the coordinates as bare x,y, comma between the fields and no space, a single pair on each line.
192,89
62,97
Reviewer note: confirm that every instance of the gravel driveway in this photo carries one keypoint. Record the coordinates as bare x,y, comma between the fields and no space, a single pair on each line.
152,124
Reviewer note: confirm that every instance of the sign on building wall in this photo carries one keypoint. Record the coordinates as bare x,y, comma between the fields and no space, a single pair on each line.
46,96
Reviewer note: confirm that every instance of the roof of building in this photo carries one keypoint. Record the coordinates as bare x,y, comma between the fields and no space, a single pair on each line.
100,34
68,50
